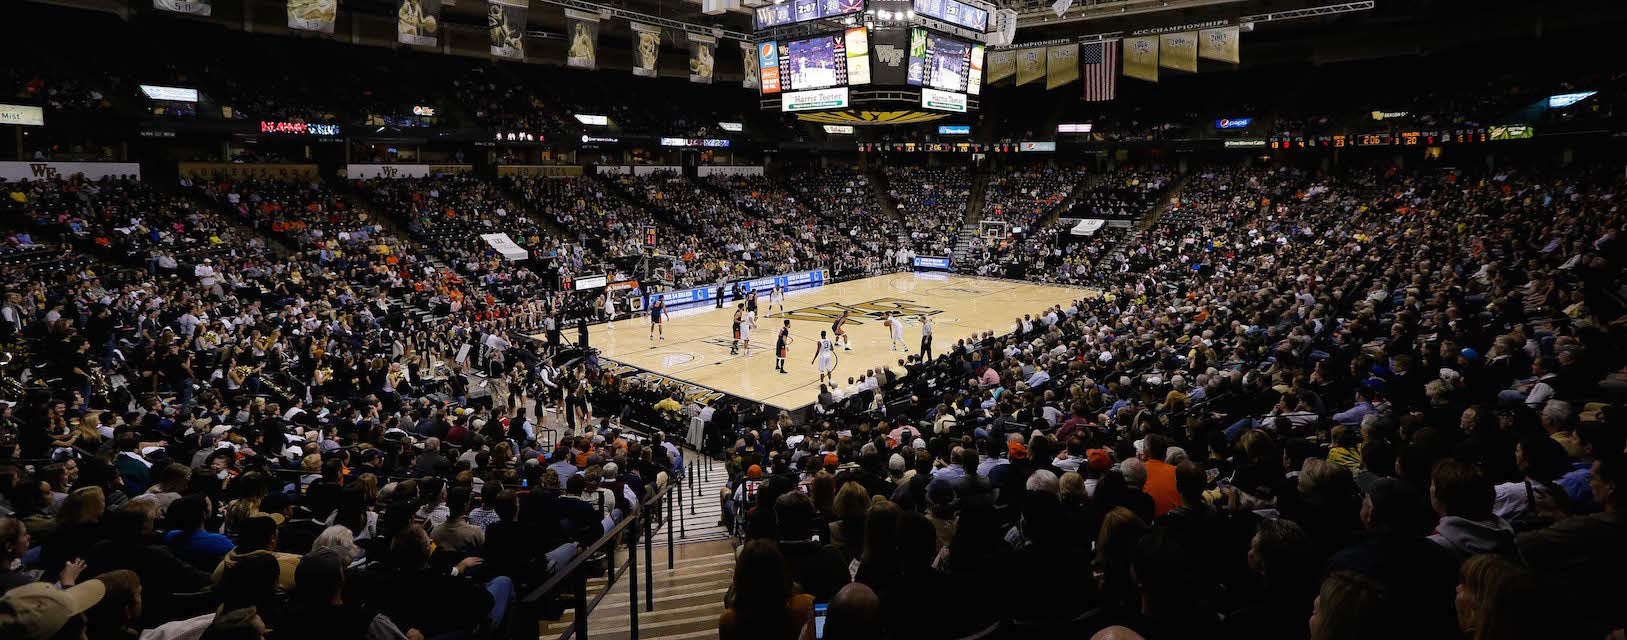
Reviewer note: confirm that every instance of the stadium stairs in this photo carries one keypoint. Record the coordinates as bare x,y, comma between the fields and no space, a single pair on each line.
689,596
878,183
970,222
547,223
1151,217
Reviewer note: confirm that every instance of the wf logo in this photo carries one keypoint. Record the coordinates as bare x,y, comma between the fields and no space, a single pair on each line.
44,171
889,55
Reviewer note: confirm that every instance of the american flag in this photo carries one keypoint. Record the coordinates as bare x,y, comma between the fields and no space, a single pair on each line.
1100,61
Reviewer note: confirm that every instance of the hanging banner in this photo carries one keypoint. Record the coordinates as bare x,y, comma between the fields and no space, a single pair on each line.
419,22
194,7
702,58
1141,58
1062,63
506,20
1002,65
312,15
1030,65
646,49
768,60
1219,44
1178,51
583,28
748,66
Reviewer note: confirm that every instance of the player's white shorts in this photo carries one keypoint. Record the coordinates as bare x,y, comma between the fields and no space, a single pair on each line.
826,363
745,334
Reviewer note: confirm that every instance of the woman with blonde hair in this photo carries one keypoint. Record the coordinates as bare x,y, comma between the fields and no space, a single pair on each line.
1350,606
1498,600
847,530
78,527
250,489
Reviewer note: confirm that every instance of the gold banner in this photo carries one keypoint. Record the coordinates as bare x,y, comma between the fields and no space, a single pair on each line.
550,171
1002,65
1030,65
1178,51
1219,44
208,170
1062,65
1141,58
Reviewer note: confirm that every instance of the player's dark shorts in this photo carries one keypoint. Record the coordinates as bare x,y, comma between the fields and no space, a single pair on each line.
737,331
779,350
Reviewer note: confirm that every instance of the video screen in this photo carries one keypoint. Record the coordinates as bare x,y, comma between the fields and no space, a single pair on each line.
815,63
938,62
784,13
954,12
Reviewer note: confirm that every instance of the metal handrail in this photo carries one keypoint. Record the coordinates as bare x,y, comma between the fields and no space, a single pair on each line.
573,571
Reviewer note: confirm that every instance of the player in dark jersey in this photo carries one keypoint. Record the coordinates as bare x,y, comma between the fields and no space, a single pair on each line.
840,333
780,345
734,345
751,301
658,313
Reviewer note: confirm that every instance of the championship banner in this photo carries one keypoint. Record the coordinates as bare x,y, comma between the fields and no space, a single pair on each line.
646,49
702,58
506,19
1002,65
194,7
1178,51
1062,65
1219,44
748,65
312,15
1141,58
1030,65
584,33
418,22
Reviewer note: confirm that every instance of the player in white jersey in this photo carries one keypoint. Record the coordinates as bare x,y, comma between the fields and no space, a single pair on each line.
825,357
776,298
746,325
895,322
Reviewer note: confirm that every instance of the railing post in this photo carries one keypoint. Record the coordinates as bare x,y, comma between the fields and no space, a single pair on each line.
694,497
632,578
649,565
581,616
669,525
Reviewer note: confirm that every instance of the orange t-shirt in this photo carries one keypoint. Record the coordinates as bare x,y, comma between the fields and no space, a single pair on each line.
1161,486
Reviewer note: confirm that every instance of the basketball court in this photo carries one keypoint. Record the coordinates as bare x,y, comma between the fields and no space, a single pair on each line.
696,349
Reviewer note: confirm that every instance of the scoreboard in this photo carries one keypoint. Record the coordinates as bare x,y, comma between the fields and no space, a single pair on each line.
1416,138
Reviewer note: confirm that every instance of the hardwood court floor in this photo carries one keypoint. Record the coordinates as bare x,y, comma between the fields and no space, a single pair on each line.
696,348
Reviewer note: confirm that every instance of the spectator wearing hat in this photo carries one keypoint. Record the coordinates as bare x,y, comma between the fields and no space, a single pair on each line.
38,611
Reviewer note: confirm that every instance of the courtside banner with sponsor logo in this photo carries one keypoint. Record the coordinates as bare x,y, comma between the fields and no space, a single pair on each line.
1002,65
1178,51
1141,58
1062,65
750,77
1030,65
22,114
237,170
312,15
194,7
582,29
702,58
723,170
646,49
815,100
15,171
940,263
1219,44
789,282
543,170
418,22
506,20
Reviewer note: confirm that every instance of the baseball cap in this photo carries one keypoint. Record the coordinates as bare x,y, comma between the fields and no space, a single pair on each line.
1099,460
37,611
1017,451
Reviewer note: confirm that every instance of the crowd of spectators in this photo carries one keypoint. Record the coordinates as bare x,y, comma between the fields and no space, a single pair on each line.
1384,404
931,201
1021,195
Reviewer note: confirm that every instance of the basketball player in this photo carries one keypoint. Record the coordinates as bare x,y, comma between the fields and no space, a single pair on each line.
780,344
658,312
825,357
840,333
748,325
610,308
751,302
776,297
739,313
896,323
926,337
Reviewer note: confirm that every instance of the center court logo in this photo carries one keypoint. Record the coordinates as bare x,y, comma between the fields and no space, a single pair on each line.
873,309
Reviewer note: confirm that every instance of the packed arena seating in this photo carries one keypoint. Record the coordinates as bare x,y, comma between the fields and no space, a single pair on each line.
1377,394
932,203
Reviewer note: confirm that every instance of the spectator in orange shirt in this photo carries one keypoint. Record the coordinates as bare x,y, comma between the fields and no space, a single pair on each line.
1160,475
